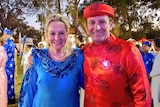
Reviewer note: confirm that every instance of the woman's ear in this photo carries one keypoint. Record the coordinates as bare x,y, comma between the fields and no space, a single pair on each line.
46,38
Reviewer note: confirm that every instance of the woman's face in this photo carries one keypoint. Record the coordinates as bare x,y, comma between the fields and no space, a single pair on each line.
57,35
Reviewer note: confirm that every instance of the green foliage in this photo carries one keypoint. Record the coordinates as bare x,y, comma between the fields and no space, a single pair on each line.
138,35
132,15
11,14
152,34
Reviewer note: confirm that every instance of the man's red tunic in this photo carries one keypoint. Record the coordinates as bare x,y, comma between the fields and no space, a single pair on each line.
115,75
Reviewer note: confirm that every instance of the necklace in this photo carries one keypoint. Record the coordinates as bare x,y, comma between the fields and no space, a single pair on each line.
57,58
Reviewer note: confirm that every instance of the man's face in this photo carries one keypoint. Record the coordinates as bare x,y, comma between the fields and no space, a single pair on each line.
99,28
6,36
145,48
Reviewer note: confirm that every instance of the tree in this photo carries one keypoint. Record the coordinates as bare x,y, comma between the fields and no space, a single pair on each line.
131,14
72,9
69,8
11,12
12,16
44,8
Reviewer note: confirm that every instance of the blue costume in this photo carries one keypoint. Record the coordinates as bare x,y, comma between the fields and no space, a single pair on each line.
148,59
48,83
9,47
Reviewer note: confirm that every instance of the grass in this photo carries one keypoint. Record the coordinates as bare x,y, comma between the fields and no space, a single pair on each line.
18,79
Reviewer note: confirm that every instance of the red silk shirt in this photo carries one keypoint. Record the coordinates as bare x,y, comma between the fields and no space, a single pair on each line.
115,75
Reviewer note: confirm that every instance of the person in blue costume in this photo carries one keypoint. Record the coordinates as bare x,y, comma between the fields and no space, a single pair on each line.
9,47
56,74
148,57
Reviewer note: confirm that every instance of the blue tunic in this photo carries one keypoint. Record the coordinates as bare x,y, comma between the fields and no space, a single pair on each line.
148,59
52,84
9,47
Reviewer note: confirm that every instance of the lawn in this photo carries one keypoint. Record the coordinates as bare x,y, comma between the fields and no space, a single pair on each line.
18,78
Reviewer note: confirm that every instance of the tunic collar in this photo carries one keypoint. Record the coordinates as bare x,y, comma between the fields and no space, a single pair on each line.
52,68
111,38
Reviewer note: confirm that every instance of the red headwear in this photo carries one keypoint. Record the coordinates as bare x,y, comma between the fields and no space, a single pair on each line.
98,9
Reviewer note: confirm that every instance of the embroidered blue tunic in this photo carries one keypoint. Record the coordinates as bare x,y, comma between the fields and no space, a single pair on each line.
9,47
48,83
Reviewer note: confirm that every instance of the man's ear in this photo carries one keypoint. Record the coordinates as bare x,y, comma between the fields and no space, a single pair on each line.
111,24
86,28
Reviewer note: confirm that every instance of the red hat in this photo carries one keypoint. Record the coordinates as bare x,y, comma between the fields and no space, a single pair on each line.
98,9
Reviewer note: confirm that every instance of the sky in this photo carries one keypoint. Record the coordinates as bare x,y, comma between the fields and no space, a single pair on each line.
32,21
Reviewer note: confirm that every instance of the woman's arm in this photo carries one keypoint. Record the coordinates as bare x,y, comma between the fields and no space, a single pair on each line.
28,88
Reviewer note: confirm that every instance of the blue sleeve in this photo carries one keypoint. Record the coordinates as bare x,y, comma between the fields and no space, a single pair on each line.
81,73
28,88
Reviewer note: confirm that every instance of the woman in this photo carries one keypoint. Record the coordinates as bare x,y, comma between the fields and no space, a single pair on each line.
56,74
9,47
3,76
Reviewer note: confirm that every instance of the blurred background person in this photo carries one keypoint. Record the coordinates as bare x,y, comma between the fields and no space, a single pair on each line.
155,75
25,57
42,45
80,40
3,76
9,47
148,57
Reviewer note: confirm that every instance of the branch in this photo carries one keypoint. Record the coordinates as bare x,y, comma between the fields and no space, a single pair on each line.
78,1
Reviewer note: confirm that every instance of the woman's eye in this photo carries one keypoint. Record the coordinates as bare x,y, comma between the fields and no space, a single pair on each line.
52,33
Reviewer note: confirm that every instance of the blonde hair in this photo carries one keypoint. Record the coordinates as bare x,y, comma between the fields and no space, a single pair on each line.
56,17
63,19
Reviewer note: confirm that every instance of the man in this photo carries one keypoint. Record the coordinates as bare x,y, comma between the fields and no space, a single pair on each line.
155,75
9,47
115,75
148,56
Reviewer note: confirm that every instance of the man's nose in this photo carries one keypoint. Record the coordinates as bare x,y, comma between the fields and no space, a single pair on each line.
97,27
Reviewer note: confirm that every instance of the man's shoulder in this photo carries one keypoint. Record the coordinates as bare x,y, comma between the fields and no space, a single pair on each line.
125,44
152,54
123,41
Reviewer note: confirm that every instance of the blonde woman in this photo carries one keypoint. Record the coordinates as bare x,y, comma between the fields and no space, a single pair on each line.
56,75
3,76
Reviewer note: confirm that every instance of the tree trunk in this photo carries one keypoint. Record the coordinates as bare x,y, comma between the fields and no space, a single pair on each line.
59,6
76,15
